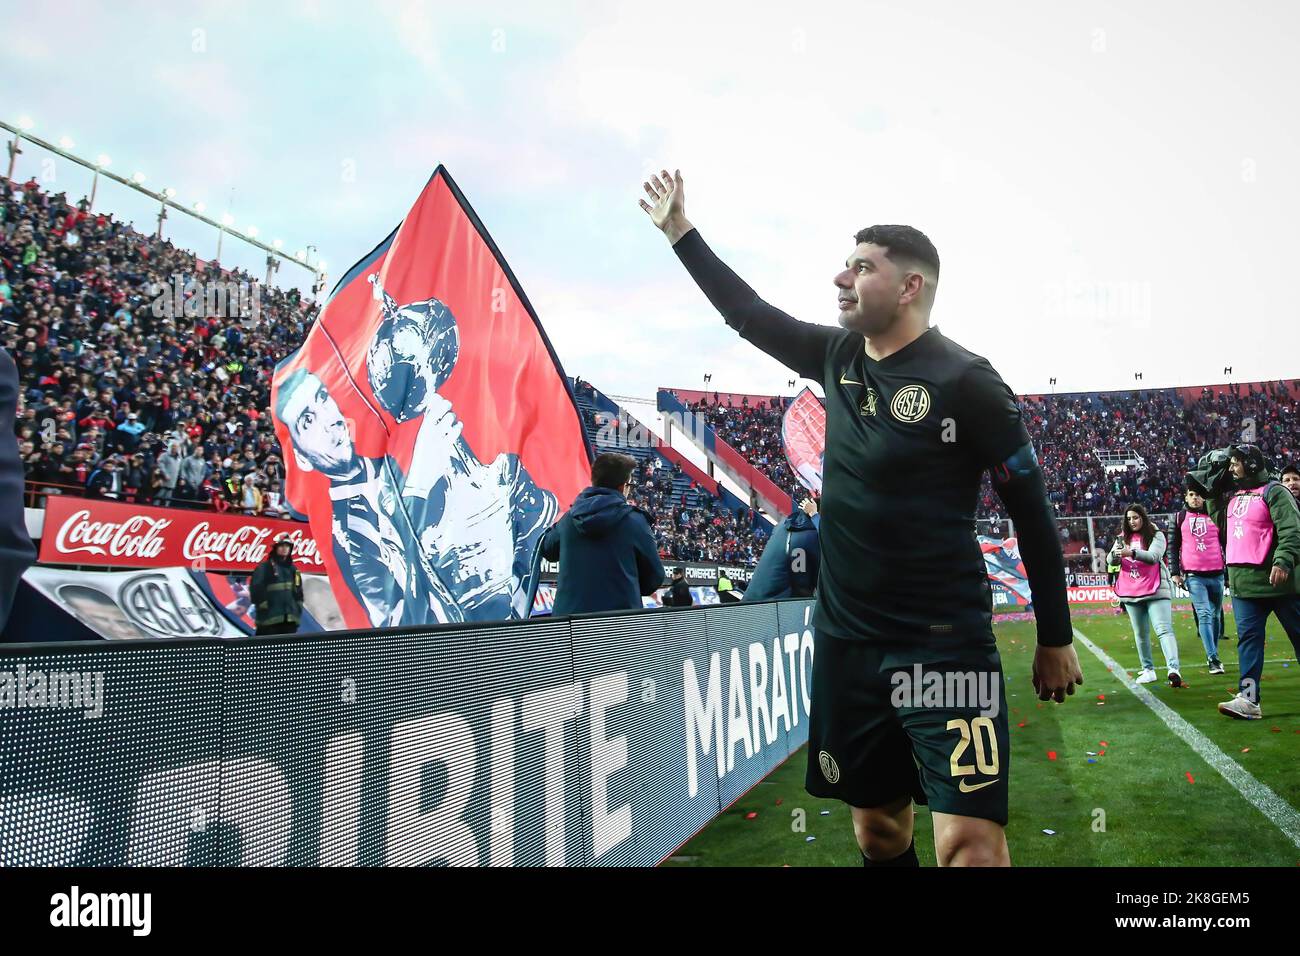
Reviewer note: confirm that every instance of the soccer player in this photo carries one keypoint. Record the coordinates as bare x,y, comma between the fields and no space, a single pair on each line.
913,421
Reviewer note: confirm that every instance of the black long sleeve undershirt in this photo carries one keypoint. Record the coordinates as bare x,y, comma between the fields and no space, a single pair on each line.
800,346
1025,496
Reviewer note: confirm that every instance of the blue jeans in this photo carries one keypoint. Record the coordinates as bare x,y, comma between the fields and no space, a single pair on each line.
1160,613
1252,615
1207,603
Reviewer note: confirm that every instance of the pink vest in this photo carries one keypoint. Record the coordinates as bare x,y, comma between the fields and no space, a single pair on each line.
1250,527
1137,578
1200,545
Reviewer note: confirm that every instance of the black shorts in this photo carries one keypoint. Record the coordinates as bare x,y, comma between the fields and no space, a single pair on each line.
883,728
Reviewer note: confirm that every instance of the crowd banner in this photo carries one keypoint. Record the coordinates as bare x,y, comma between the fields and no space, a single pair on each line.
231,594
600,740
431,435
132,605
92,532
1007,576
803,436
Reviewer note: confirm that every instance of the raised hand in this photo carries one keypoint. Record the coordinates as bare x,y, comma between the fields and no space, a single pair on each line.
667,206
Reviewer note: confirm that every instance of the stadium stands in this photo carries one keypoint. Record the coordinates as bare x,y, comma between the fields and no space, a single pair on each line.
1100,451
694,518
105,377
177,402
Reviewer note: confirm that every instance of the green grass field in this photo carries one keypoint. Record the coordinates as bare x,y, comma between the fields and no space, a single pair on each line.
1153,814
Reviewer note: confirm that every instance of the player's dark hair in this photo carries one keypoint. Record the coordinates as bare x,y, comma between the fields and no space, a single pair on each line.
1149,528
1291,467
611,470
903,245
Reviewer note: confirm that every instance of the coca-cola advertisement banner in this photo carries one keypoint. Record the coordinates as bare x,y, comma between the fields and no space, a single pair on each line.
82,531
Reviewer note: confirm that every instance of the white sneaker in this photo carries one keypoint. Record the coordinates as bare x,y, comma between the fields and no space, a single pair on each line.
1148,676
1241,708
1216,667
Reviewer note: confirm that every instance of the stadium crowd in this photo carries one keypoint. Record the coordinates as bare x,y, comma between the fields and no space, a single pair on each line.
711,532
1158,427
124,396
133,388
694,526
754,431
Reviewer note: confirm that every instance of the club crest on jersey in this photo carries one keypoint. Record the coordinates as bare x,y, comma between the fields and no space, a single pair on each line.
911,403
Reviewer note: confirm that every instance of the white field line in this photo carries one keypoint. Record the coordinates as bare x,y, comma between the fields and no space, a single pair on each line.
1280,813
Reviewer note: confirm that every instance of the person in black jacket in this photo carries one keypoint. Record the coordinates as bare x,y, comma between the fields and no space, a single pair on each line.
16,549
605,546
276,590
679,595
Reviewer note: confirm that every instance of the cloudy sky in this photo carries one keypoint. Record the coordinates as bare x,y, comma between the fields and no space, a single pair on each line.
1111,188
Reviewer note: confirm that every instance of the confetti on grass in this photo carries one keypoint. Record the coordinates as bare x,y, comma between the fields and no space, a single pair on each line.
1051,755
1050,832
809,839
1190,778
751,815
826,813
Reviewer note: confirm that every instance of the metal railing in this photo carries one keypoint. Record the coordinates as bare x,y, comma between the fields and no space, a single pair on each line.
36,493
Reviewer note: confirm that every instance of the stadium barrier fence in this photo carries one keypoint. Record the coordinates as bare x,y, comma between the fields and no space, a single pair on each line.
602,740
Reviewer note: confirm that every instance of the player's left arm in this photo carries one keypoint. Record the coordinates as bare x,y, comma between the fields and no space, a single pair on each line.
996,437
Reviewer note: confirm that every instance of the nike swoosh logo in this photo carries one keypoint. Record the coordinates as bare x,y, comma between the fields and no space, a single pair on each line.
844,381
965,788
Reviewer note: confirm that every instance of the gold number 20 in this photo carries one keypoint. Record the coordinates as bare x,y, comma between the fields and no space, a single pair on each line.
986,753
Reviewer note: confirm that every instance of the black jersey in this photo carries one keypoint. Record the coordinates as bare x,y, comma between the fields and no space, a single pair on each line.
908,439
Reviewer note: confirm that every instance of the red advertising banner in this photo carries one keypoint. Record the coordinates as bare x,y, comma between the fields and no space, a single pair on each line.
85,531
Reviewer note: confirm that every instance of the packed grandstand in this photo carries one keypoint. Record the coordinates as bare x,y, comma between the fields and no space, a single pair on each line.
121,403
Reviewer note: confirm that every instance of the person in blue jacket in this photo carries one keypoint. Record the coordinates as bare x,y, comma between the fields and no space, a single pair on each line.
605,546
16,549
791,561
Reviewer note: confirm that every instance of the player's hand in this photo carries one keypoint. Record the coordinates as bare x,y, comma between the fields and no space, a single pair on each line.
809,507
1056,672
667,205
1278,576
1126,553
1177,579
